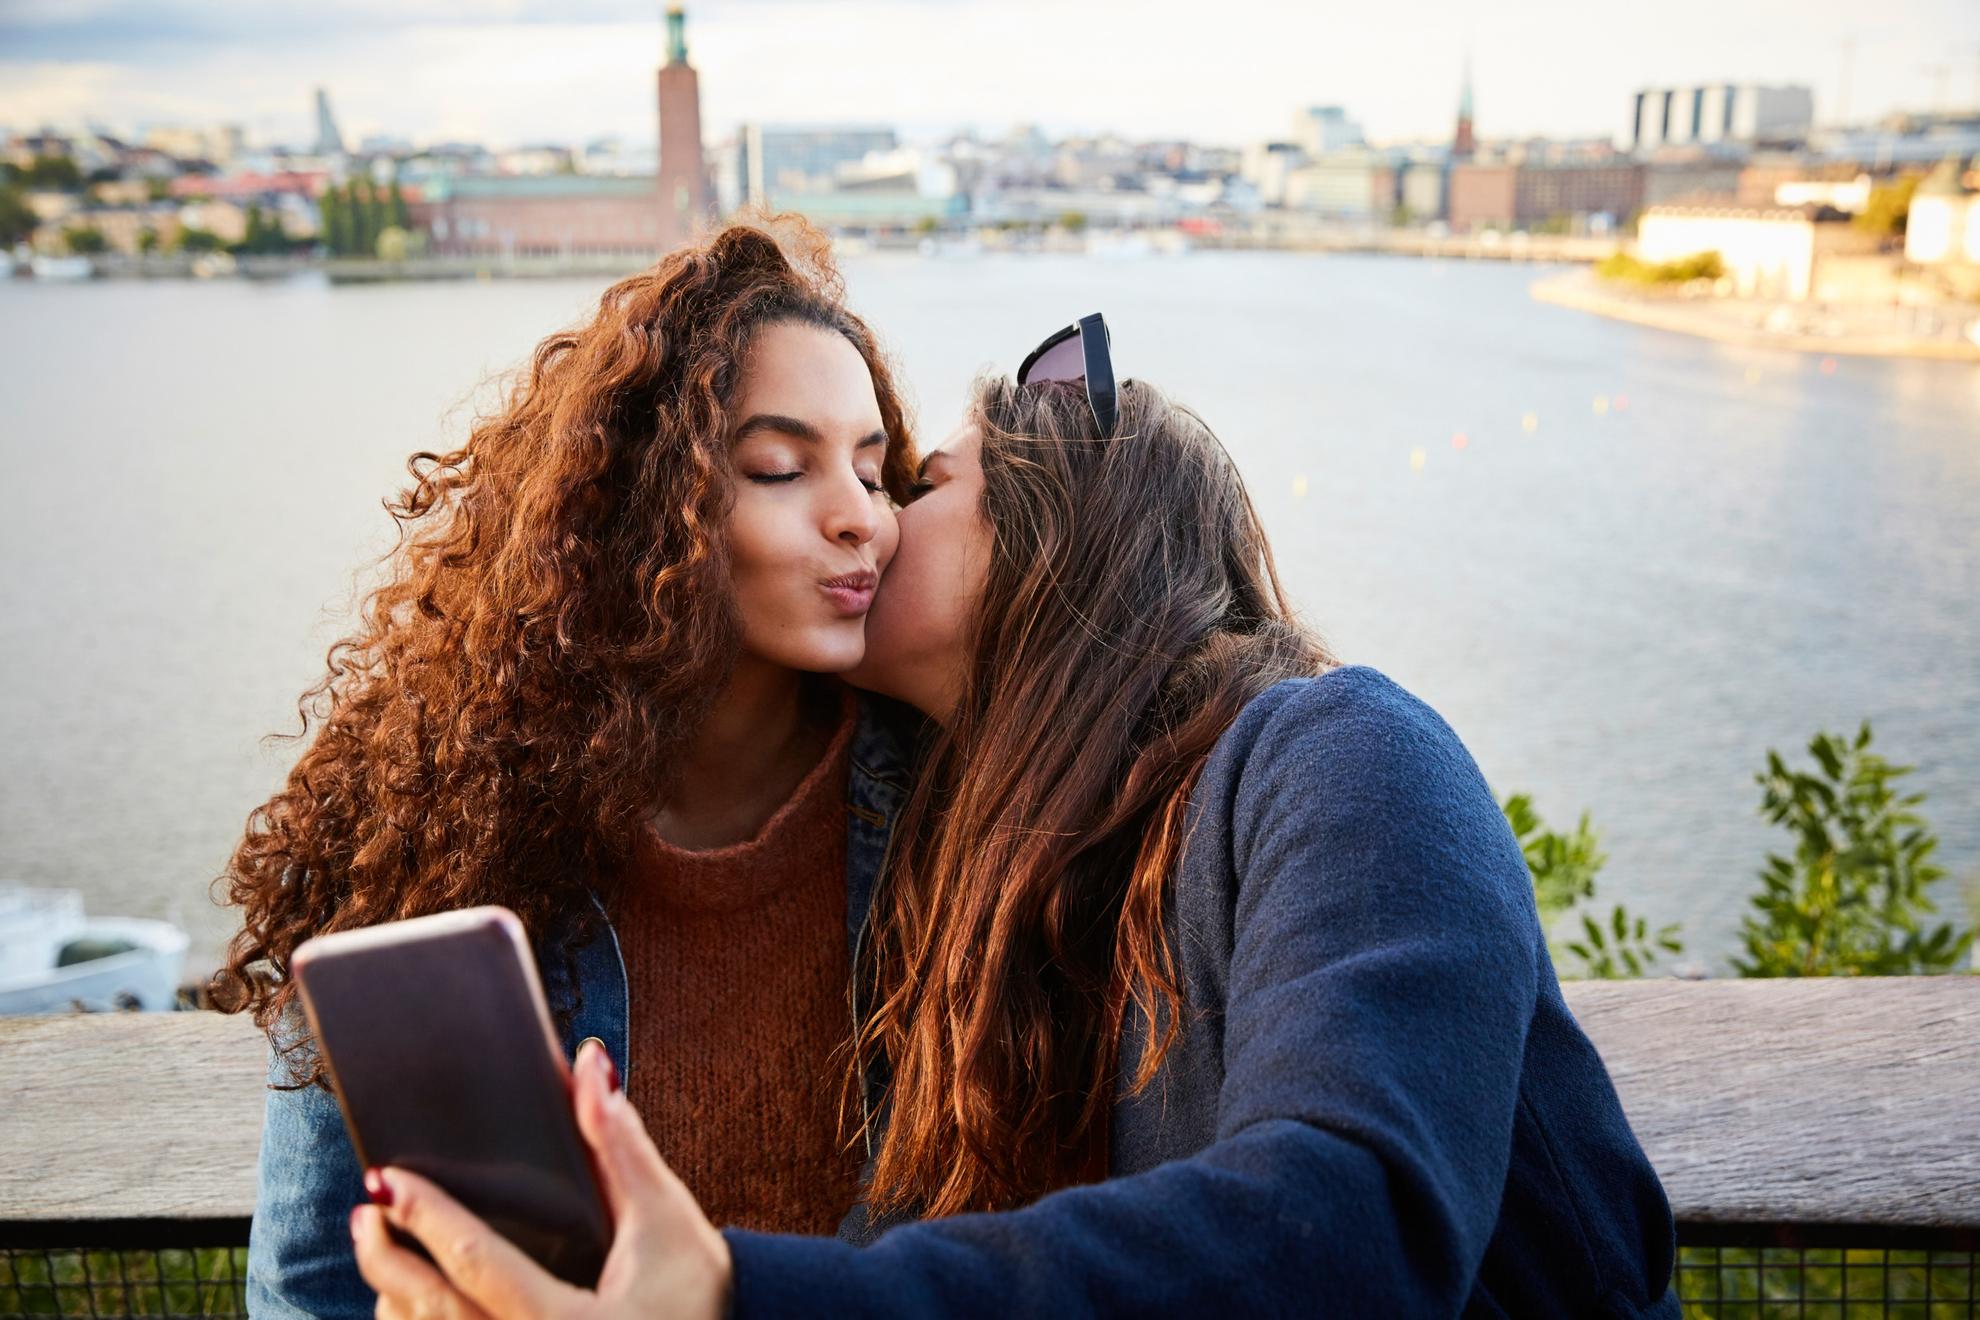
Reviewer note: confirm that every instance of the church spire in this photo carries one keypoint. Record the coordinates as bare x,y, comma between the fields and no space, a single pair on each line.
1464,143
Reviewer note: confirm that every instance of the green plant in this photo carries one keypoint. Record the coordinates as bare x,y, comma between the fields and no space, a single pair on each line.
1564,867
1850,899
1620,265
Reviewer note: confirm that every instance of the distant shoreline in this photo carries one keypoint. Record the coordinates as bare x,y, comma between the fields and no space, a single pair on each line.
1271,236
1743,321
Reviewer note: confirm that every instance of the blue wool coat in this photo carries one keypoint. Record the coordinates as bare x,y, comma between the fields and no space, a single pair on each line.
1380,1105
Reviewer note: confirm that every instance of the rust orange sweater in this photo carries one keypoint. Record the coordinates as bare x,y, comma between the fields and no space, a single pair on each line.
736,971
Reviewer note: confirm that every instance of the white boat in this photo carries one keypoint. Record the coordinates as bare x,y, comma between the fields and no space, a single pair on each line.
61,268
113,963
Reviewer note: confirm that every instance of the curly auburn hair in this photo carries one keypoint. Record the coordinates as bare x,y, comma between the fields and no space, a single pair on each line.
555,620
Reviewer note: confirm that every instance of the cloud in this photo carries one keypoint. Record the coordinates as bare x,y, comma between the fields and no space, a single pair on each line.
509,71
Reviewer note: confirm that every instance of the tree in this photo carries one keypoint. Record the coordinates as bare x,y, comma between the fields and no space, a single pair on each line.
147,241
336,222
55,173
17,218
199,240
365,218
1889,205
254,238
1848,901
85,240
399,214
1563,867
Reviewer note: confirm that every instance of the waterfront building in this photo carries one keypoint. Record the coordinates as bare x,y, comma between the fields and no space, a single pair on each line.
1266,167
1505,193
1768,252
1942,228
1341,185
1422,181
779,165
566,214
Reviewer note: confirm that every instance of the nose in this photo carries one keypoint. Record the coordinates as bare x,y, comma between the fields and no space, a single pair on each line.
854,515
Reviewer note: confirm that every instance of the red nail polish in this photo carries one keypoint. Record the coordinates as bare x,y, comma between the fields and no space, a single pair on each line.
377,1188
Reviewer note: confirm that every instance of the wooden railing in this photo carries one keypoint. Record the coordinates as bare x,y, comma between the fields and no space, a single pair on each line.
1798,1112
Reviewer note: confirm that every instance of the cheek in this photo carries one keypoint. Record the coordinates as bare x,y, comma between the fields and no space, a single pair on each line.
766,554
918,606
887,541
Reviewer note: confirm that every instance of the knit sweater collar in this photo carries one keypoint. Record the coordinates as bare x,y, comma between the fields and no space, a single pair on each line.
784,852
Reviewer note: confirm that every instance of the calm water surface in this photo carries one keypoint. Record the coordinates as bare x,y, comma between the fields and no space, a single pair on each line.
1695,553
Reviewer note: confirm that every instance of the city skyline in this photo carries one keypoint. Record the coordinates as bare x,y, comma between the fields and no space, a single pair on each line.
510,72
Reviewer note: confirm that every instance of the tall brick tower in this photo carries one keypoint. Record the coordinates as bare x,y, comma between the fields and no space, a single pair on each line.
683,183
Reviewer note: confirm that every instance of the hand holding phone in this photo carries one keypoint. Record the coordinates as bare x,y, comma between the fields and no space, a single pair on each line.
439,1046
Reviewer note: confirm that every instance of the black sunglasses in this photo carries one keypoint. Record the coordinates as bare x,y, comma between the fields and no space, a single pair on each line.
1078,352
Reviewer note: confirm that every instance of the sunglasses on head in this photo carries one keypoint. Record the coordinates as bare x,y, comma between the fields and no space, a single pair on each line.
1078,352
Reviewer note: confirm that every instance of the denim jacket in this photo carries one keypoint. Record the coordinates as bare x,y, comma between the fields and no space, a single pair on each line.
300,1259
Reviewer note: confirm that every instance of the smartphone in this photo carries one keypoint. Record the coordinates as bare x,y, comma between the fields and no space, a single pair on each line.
439,1045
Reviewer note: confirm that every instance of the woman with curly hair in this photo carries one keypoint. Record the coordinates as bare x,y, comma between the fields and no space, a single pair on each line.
589,692
1207,979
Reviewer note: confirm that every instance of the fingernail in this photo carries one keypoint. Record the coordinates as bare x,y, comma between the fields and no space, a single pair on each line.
377,1188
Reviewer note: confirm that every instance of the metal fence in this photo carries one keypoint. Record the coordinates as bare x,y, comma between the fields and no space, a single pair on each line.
1715,1281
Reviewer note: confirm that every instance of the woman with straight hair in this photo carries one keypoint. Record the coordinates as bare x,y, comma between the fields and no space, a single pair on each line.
592,690
1207,975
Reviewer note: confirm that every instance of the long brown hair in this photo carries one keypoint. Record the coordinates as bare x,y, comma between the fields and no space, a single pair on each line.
1131,609
556,618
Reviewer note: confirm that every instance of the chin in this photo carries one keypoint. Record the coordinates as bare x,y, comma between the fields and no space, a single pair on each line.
825,653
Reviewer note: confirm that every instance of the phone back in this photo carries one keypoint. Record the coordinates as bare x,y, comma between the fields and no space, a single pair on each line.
445,1062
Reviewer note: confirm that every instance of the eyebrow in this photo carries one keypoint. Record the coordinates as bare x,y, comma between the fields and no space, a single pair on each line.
800,429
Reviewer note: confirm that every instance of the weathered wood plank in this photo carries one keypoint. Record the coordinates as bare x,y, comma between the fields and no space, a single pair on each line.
129,1115
1849,1101
1852,1100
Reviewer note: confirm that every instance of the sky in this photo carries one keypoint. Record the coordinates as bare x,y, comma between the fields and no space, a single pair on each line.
513,72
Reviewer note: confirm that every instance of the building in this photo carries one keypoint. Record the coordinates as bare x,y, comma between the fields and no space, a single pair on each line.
1592,195
1464,143
569,213
1266,166
1321,130
1721,113
1943,225
777,165
1342,185
1769,253
1420,188
329,142
685,197
1689,174
542,215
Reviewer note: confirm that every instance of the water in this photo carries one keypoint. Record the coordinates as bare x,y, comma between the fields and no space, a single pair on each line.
1619,610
